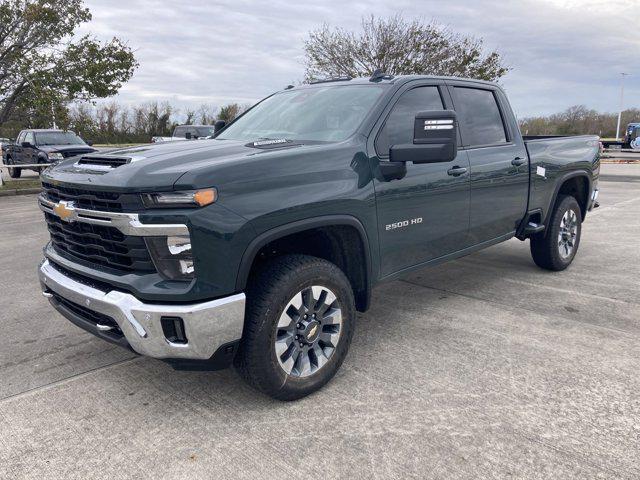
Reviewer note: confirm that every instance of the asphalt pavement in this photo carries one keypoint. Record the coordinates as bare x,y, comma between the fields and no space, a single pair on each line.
485,367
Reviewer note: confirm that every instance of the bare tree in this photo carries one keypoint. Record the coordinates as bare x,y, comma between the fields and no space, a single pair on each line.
206,114
398,47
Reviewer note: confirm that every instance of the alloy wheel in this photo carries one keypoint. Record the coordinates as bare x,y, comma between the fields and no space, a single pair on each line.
568,233
308,331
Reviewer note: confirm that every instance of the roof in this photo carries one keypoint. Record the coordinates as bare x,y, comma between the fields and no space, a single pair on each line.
397,79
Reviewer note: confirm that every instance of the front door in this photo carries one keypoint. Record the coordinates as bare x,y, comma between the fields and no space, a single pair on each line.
425,214
28,153
498,160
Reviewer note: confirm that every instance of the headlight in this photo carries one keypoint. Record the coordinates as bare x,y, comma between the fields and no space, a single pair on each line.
55,156
187,198
172,256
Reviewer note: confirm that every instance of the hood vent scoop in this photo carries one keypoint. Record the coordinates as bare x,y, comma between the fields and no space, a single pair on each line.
105,162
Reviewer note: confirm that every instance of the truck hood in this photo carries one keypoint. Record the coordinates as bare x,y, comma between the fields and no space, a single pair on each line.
79,149
157,167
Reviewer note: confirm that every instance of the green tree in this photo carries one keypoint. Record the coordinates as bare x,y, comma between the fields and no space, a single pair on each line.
229,112
43,65
398,47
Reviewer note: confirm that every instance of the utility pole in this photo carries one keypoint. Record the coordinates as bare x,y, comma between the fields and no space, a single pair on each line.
621,104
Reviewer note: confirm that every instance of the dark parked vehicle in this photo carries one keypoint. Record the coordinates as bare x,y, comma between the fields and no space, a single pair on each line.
258,247
42,147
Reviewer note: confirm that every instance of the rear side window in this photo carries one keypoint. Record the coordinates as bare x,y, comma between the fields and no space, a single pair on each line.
398,128
480,117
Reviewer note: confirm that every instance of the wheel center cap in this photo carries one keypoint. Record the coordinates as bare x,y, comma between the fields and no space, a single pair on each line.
311,331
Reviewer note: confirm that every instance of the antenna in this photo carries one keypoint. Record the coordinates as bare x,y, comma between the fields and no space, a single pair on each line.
379,75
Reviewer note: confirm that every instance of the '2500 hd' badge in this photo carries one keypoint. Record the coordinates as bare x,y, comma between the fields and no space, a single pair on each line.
403,224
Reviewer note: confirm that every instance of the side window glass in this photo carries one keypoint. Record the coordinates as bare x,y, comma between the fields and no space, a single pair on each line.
398,128
179,132
29,138
480,117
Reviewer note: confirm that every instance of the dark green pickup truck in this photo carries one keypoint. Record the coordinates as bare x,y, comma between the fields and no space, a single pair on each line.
257,247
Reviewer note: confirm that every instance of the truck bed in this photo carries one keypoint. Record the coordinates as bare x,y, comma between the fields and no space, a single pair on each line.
554,157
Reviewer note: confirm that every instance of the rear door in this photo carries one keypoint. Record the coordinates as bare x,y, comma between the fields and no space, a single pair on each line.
497,158
425,214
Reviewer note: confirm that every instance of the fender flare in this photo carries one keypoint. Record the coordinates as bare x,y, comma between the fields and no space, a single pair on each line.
281,231
560,181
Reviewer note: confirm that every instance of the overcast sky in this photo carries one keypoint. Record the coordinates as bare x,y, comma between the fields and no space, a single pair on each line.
562,52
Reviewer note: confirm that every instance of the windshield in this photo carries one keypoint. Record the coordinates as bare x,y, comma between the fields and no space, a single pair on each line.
327,114
58,138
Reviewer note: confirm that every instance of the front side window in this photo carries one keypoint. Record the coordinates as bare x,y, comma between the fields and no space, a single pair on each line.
479,115
29,138
323,113
398,128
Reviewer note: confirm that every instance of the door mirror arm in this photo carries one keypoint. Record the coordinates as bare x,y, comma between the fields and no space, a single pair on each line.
390,170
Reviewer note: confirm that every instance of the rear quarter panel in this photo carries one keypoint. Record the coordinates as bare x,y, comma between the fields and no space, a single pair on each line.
554,160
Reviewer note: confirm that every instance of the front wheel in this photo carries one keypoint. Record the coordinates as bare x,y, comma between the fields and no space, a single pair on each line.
298,326
14,172
555,248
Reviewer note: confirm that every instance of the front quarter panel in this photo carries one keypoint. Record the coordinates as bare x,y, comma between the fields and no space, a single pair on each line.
276,190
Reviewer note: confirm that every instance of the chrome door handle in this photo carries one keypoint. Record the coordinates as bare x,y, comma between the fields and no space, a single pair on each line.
456,171
517,162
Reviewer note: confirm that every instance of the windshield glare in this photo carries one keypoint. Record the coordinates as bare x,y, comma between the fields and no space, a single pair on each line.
58,138
326,114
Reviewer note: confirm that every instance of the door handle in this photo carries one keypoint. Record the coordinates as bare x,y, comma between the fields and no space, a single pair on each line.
456,171
516,162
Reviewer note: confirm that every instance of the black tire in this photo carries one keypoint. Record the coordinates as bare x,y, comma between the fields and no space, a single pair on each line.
14,172
272,289
556,247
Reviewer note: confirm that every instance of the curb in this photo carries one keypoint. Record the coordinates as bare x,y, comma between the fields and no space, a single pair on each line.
19,191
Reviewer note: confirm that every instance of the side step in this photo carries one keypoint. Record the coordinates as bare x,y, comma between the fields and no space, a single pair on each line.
532,228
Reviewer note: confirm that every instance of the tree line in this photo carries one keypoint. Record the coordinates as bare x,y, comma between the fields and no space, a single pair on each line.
579,120
115,123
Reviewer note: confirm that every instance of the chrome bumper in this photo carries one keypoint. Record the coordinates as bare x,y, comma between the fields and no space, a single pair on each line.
208,325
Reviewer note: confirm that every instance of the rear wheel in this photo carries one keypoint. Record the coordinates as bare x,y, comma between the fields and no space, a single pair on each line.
556,247
14,172
298,326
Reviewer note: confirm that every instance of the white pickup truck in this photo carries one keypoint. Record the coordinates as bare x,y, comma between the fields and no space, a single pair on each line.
186,132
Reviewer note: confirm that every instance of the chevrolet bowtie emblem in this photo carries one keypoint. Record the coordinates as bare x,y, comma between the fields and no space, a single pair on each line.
64,210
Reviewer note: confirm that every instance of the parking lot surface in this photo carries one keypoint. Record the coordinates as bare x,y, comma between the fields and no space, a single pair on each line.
485,367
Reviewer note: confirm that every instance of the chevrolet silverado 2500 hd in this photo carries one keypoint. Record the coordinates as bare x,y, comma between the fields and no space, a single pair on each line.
257,247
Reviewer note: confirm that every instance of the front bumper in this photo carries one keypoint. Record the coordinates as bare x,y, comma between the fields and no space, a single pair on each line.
209,326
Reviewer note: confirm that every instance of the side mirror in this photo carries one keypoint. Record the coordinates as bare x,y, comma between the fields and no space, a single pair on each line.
187,135
89,142
434,139
26,145
218,125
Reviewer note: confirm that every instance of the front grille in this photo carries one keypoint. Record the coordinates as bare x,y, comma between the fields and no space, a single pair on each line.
89,282
94,200
99,245
89,315
73,153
